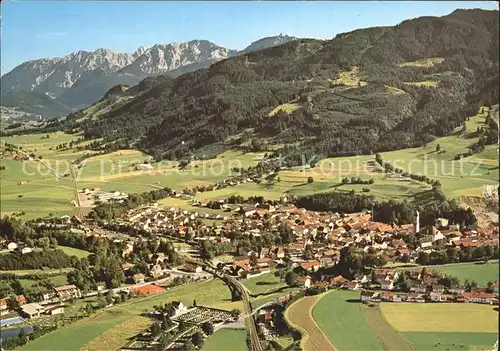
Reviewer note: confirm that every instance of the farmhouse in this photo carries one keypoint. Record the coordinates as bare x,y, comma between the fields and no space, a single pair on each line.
354,285
53,310
304,281
310,266
387,284
415,297
370,296
479,297
67,292
21,300
192,268
138,278
32,310
338,281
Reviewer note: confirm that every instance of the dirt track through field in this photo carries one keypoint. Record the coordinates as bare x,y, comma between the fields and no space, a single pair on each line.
299,315
391,339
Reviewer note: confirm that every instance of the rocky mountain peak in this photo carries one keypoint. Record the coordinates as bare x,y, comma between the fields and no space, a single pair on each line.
268,42
83,77
140,50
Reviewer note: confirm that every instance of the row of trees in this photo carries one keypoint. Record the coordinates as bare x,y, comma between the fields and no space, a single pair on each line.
387,211
453,255
36,260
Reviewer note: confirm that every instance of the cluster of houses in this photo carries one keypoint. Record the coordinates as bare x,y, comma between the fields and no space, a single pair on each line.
35,310
15,246
322,235
327,233
423,286
55,296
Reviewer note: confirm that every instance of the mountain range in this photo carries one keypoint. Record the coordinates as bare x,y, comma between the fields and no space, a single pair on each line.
56,86
369,90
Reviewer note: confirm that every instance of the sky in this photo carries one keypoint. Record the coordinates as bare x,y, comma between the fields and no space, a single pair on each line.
38,29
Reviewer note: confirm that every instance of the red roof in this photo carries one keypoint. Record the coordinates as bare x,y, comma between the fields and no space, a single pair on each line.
481,295
148,289
20,298
309,264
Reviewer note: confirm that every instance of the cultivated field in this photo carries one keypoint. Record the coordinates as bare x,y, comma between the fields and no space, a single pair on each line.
339,316
227,339
109,323
391,339
444,326
299,315
113,339
116,171
441,317
25,185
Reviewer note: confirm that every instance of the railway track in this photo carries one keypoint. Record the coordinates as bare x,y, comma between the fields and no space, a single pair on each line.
254,336
250,321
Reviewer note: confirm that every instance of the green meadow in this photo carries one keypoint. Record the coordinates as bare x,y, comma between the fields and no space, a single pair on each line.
226,339
25,185
481,272
264,283
74,336
339,316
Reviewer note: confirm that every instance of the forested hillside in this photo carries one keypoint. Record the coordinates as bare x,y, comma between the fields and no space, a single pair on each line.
369,90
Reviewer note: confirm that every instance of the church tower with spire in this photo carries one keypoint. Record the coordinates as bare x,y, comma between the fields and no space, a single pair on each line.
416,223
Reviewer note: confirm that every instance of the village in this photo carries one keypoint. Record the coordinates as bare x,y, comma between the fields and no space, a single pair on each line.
312,251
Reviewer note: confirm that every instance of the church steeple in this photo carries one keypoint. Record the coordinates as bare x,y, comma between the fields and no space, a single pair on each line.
416,223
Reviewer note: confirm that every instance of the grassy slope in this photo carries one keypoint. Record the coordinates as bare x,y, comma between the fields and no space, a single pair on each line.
227,339
343,322
114,172
208,293
482,273
56,280
107,172
263,283
466,177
